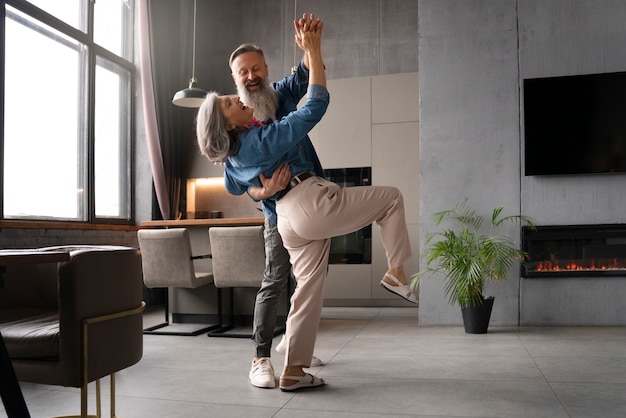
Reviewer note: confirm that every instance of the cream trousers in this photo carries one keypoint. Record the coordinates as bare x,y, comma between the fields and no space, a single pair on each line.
308,216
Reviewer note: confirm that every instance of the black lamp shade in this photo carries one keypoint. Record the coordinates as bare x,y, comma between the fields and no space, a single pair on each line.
190,97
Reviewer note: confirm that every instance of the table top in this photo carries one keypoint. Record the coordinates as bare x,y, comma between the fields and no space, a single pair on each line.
206,222
14,257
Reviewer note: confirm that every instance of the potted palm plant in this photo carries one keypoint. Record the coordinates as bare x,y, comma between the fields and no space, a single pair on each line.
470,253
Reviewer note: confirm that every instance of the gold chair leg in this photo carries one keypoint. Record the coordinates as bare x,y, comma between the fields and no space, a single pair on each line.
98,400
112,402
84,396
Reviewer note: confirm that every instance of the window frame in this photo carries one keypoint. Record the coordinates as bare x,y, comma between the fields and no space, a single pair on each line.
94,53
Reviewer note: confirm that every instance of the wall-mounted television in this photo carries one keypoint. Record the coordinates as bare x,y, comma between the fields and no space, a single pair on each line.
575,124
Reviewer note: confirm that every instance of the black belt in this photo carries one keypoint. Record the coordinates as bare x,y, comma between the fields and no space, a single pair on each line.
295,181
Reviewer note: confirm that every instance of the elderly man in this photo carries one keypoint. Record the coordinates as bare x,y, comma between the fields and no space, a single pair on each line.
270,102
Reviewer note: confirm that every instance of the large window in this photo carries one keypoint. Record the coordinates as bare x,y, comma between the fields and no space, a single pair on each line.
68,83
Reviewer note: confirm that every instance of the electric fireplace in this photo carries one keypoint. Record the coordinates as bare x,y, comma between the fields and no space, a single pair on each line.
574,251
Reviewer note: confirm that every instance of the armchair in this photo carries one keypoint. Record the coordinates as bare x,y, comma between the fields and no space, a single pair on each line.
72,323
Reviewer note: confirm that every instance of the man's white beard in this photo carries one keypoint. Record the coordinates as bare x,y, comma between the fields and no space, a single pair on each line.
264,101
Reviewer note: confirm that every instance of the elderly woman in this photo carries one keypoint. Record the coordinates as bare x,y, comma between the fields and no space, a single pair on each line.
310,209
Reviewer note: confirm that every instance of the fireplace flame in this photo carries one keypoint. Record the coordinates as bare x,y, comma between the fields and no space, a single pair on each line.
592,265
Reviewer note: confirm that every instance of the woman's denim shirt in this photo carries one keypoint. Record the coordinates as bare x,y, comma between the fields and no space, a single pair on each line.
290,90
264,148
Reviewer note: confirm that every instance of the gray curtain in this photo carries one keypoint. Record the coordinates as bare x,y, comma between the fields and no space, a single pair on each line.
164,33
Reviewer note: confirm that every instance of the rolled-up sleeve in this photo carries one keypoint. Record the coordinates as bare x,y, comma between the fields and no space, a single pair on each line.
317,92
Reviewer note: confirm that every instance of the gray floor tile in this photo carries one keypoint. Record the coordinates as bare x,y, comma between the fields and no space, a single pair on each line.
445,367
583,369
432,397
586,400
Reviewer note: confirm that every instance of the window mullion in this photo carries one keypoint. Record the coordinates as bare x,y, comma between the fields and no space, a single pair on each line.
88,173
2,100
89,158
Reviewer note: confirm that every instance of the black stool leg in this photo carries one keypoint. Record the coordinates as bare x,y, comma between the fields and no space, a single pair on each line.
10,390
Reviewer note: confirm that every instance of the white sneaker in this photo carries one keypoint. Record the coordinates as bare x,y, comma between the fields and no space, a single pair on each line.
262,373
280,348
316,362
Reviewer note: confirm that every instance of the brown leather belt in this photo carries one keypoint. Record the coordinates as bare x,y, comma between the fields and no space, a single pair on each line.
295,181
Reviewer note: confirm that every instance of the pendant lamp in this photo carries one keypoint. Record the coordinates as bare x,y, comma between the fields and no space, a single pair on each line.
191,96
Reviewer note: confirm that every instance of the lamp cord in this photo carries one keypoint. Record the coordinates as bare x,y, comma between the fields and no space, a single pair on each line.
295,45
193,53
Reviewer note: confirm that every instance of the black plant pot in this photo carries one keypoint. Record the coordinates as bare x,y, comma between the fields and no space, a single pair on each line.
476,318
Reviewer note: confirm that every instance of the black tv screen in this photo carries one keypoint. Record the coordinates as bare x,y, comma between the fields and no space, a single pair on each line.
575,124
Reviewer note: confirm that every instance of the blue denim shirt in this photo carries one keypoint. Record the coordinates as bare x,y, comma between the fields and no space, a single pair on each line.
291,89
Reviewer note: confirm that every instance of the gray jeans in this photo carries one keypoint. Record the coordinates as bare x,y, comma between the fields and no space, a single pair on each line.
275,281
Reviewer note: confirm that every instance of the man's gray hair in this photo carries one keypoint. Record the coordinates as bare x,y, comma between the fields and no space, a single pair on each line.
242,49
215,142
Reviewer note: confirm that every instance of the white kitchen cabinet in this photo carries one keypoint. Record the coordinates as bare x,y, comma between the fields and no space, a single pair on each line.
373,122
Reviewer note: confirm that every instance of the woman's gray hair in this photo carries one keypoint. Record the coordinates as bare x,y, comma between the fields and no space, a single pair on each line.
216,143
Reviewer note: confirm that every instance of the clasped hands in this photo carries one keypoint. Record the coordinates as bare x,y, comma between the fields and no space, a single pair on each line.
308,31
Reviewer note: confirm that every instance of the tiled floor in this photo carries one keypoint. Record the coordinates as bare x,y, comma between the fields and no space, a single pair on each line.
378,363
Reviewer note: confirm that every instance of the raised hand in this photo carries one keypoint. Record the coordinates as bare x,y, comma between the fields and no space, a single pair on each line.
308,32
307,24
309,39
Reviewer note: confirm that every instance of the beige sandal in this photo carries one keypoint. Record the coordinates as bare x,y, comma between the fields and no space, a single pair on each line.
399,289
302,382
